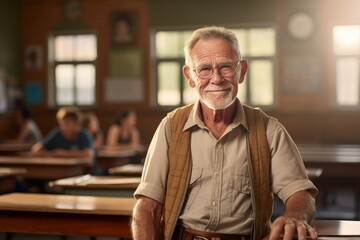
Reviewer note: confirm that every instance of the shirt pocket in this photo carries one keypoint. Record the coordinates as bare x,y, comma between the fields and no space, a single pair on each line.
194,187
240,204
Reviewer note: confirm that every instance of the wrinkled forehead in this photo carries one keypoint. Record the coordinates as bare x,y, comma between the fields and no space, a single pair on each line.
213,51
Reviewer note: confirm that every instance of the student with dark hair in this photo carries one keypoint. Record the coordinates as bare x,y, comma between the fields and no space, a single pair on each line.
29,130
123,132
91,124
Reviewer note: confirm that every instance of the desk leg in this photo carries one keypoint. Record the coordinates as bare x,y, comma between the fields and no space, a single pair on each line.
8,236
357,202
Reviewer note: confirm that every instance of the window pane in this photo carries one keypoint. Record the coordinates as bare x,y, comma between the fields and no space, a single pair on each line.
168,83
85,84
64,48
241,34
242,91
64,81
347,81
262,83
171,44
189,95
346,40
85,47
261,42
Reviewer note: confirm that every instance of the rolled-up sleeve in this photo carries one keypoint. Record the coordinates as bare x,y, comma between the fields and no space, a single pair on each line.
287,168
153,179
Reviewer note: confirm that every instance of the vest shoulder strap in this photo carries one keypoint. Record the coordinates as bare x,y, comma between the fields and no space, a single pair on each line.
179,166
260,163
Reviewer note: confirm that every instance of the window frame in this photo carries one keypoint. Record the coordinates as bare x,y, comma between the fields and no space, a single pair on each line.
334,57
155,61
52,91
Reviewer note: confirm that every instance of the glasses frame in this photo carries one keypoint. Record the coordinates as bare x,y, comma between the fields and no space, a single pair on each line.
234,64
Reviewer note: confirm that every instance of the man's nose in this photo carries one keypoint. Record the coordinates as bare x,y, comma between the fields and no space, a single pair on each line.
216,77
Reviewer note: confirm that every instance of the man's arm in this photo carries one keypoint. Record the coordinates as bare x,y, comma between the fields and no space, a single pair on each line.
145,224
39,150
300,211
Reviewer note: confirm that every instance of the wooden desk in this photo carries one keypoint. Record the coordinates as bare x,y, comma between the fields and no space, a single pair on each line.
8,177
101,216
13,148
46,168
336,161
65,215
340,166
127,170
336,228
113,157
88,185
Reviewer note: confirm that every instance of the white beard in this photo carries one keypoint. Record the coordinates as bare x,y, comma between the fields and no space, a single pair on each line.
218,105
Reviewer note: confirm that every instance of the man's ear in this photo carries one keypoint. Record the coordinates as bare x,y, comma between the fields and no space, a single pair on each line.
187,74
244,67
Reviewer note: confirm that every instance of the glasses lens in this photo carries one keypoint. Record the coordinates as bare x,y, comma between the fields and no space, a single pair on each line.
204,72
227,70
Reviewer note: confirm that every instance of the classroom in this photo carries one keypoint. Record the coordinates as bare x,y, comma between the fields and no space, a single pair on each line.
92,93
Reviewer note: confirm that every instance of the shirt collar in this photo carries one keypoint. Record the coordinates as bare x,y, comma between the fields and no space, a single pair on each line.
194,118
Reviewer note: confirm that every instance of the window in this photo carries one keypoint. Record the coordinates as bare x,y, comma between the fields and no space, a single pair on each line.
257,47
73,69
346,50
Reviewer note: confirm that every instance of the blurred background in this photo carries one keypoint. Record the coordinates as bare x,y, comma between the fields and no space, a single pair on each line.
107,55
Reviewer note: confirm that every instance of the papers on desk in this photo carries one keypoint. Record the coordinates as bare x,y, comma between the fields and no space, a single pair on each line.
127,169
93,180
13,171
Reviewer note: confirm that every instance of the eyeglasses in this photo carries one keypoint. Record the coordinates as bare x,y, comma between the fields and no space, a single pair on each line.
225,70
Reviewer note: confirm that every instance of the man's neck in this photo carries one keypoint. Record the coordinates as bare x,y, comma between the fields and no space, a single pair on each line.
224,116
217,120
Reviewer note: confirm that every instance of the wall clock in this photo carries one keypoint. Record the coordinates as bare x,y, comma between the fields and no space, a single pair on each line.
301,25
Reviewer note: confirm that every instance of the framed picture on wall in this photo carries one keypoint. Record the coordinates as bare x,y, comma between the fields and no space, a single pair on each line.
124,28
33,57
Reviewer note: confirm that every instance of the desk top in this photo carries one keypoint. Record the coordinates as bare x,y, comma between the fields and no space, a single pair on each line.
330,153
15,147
115,152
335,228
127,170
7,172
97,182
49,203
34,160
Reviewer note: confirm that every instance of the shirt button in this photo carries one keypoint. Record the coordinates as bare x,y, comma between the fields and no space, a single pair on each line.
216,174
214,203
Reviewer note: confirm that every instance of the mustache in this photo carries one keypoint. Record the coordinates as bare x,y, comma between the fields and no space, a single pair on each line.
224,87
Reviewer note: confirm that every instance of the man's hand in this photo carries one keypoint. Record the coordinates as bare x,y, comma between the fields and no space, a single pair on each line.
287,227
300,211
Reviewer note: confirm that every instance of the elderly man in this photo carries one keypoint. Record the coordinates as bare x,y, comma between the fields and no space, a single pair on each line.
213,166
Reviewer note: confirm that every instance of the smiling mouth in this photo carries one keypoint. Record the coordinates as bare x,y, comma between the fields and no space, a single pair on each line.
219,90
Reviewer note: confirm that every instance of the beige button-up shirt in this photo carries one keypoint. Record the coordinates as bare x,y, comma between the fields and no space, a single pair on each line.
218,197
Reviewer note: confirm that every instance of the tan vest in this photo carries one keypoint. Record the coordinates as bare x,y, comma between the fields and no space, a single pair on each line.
180,168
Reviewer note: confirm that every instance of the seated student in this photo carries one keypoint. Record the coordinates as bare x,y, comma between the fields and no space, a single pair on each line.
68,139
29,130
91,124
123,132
